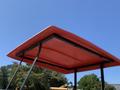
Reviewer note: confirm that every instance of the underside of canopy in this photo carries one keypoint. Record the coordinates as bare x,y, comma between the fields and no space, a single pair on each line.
63,52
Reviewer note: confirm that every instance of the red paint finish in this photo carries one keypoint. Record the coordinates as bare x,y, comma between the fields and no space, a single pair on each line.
61,53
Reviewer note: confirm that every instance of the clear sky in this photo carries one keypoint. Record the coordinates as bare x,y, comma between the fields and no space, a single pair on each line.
95,20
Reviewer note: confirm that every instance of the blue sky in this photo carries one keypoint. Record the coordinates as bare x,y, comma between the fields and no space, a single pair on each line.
95,20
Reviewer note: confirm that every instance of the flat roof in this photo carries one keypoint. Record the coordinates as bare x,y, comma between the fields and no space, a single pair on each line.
63,52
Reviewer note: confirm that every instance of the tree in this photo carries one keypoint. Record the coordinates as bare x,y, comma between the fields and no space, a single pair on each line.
89,82
3,77
109,87
39,79
92,82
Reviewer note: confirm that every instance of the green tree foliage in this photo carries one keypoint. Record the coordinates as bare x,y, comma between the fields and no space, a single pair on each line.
92,82
3,77
109,87
39,79
56,79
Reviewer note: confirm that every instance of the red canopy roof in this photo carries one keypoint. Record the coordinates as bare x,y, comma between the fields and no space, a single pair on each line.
64,52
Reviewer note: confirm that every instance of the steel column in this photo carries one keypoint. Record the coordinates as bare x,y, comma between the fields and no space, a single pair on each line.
29,72
14,74
75,80
102,78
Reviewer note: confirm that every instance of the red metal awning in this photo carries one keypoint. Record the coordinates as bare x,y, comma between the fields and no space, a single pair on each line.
63,51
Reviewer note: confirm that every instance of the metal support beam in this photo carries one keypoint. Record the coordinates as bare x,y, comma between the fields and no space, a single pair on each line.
102,78
14,74
29,72
75,80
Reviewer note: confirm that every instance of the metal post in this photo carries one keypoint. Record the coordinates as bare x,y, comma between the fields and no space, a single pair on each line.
14,74
75,80
29,72
102,77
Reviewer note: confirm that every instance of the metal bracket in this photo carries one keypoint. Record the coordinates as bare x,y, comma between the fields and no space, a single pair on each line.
29,72
14,74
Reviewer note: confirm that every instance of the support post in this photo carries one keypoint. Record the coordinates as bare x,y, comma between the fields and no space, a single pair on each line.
102,77
14,74
29,72
75,80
